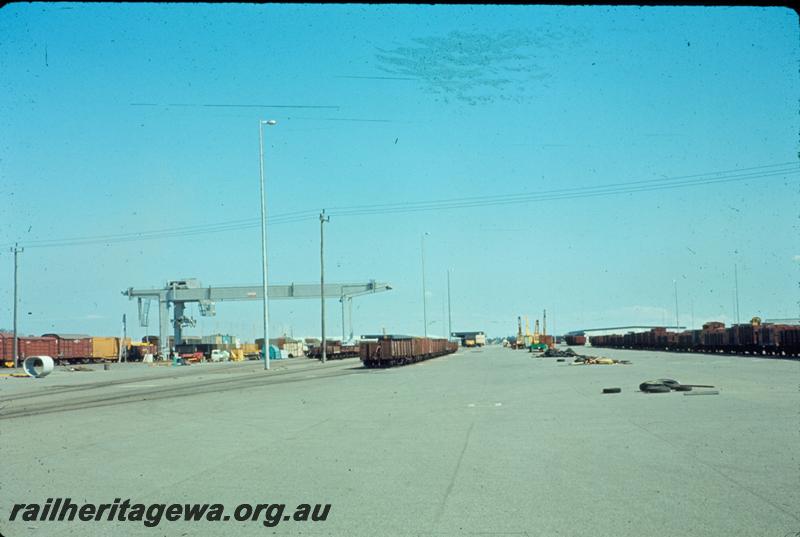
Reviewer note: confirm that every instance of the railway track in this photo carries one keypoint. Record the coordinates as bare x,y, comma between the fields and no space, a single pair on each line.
168,373
75,398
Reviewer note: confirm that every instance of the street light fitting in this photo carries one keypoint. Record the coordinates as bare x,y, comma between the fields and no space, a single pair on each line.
269,122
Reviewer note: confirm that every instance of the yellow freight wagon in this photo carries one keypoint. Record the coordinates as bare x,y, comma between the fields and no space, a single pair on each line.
107,348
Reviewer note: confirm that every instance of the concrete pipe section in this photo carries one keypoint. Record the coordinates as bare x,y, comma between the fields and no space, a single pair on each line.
38,366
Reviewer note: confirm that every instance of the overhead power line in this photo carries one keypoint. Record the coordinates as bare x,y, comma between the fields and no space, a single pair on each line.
567,193
786,167
630,187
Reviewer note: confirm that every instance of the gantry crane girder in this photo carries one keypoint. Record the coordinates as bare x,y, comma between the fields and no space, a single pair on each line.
178,292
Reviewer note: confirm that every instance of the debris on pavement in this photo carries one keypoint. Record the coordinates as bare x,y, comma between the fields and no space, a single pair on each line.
669,385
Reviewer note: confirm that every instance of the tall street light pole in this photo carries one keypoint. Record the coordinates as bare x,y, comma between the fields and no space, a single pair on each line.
322,220
449,316
677,323
265,346
736,290
16,251
424,297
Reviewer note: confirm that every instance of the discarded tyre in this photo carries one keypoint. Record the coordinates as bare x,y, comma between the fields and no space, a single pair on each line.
654,386
612,390
669,383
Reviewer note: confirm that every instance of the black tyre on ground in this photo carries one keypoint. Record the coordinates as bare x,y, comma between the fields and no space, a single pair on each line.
657,389
671,383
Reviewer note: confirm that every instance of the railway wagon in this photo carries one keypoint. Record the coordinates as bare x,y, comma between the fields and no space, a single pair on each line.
390,351
754,339
575,340
137,351
689,340
26,346
72,347
332,349
108,348
335,350
789,340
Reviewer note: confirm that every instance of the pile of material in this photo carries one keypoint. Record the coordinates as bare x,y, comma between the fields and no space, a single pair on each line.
580,359
597,360
671,385
79,368
555,353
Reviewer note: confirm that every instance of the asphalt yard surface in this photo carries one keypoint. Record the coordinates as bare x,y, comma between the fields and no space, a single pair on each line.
483,442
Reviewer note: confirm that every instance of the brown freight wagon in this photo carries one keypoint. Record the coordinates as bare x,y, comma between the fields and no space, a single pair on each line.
390,351
688,341
770,338
37,346
790,340
627,340
26,346
7,349
575,340
72,347
715,340
333,350
665,340
137,351
152,340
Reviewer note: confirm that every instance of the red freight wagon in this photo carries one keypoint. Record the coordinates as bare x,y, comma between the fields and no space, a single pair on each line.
72,346
37,346
7,348
770,337
575,340
400,350
26,346
790,340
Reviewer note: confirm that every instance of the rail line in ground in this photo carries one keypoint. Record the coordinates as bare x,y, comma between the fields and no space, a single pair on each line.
167,374
48,405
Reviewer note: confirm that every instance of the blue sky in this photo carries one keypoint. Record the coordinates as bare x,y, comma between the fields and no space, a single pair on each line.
120,119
